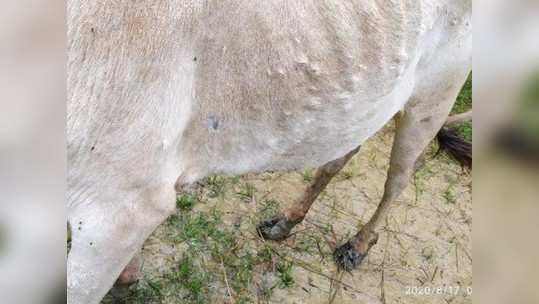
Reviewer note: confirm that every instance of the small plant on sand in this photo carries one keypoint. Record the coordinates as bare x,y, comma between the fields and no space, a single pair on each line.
464,104
346,174
265,254
192,280
307,175
284,272
246,192
449,195
216,185
268,208
185,202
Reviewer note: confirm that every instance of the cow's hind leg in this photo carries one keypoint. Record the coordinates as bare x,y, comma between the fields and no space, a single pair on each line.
279,226
417,125
412,136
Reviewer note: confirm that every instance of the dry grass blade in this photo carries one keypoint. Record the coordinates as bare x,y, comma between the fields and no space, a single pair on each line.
226,282
335,286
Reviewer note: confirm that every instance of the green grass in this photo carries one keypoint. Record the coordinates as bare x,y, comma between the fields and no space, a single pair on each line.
528,110
213,250
246,192
465,129
310,244
216,185
463,104
307,175
185,202
346,174
265,254
145,291
284,270
268,208
191,279
450,196
465,98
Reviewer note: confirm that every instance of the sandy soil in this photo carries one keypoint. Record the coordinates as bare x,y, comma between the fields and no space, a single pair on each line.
423,254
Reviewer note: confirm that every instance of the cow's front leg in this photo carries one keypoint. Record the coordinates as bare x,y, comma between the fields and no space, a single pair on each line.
279,226
105,238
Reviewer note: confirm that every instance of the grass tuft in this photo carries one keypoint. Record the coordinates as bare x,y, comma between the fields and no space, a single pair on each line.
307,175
185,202
284,272
246,192
463,104
216,185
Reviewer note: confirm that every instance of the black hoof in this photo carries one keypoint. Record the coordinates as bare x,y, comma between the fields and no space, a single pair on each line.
276,228
347,258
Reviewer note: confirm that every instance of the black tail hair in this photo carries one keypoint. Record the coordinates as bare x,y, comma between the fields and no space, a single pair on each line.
455,146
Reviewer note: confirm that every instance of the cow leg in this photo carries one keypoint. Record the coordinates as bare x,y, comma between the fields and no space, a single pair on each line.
411,139
132,272
105,238
279,226
417,125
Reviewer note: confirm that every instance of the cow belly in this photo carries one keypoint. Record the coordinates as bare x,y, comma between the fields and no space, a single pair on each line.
320,137
288,92
282,140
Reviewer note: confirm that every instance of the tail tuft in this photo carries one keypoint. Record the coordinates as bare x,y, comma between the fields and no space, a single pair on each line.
455,146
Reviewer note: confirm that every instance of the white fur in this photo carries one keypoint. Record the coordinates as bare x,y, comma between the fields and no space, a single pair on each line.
275,85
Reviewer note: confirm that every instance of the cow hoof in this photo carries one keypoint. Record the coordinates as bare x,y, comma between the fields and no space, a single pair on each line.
276,228
347,258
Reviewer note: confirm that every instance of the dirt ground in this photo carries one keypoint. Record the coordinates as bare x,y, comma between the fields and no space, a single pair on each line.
209,252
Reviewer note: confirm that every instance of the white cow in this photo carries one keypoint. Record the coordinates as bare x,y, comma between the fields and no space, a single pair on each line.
163,93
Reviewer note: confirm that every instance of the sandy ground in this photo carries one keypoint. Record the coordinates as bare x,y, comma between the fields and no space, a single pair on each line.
423,254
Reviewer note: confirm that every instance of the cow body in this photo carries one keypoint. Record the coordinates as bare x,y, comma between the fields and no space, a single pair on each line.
168,92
